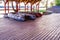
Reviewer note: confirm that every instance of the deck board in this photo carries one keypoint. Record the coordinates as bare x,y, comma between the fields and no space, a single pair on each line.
46,27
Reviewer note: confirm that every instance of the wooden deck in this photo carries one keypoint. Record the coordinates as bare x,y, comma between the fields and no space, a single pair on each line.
45,28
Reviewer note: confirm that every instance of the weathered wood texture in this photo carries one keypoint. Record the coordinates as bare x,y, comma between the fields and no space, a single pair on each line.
45,28
25,1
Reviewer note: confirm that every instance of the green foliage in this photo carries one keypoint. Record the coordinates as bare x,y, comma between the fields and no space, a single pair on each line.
57,2
40,10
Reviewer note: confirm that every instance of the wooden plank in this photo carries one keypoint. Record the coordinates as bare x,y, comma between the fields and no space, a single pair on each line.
45,28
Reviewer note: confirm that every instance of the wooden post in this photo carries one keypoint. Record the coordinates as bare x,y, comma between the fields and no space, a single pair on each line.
25,7
16,6
5,7
19,6
31,7
46,4
8,7
38,7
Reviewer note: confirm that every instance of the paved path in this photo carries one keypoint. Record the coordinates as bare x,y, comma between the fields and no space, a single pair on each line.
45,28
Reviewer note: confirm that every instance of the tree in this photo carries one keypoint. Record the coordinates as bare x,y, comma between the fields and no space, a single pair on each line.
57,2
